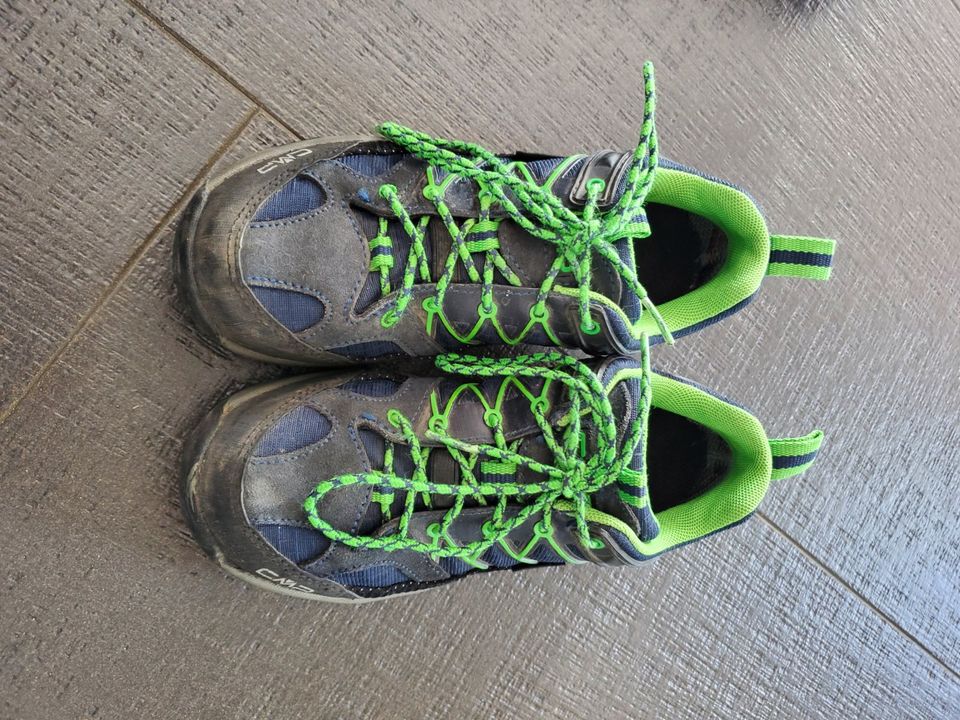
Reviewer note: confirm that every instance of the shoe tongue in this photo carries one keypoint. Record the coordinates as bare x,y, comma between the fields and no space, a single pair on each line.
605,280
627,500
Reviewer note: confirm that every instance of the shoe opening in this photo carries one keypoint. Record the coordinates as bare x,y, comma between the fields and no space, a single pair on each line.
708,250
708,463
684,459
683,252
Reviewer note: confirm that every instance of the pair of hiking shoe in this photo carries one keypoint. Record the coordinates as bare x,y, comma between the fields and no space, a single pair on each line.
551,442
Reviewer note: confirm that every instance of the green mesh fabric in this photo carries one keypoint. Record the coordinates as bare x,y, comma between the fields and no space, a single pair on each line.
731,500
748,250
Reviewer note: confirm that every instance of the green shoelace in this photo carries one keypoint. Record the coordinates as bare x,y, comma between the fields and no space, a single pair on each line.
576,237
567,484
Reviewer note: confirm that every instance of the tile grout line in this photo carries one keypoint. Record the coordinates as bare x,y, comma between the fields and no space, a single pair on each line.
213,66
131,262
859,596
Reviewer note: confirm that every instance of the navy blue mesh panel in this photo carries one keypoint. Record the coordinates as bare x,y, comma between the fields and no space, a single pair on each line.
455,566
370,226
545,554
375,576
294,310
300,427
366,350
402,461
369,223
371,164
299,196
540,169
372,387
369,294
373,444
498,558
297,544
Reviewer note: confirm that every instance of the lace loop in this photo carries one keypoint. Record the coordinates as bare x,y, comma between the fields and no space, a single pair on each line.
532,207
565,485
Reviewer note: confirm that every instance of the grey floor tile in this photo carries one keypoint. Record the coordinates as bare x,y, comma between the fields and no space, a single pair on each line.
105,122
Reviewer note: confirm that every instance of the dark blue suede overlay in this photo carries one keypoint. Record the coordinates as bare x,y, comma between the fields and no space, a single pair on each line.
372,387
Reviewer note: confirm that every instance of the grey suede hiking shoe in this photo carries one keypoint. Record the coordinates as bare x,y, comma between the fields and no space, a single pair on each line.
354,486
328,253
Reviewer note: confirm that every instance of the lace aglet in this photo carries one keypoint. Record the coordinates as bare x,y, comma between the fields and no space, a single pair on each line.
665,333
658,318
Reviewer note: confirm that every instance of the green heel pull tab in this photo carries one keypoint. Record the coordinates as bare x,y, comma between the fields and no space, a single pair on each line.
803,257
791,456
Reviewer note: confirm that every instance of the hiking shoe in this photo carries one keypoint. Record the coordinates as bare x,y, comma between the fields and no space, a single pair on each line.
331,252
352,486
